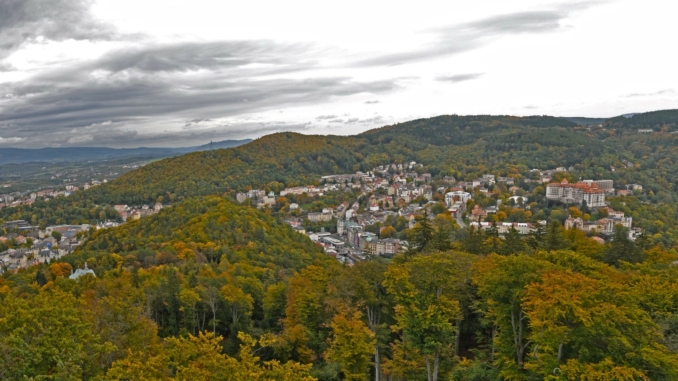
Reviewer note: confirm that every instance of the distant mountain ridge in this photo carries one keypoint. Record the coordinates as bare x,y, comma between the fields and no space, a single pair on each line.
27,155
652,119
584,121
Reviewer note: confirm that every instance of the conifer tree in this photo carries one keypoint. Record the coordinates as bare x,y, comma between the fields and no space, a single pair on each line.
422,235
553,238
621,248
513,242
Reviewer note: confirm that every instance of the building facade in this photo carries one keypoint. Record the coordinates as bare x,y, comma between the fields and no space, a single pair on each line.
576,193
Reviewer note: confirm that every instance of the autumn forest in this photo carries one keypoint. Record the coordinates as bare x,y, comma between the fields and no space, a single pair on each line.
210,289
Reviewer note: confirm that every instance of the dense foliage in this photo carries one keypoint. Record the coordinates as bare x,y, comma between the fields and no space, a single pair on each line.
210,290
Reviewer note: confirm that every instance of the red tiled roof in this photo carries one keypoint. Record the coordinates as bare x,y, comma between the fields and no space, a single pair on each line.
593,188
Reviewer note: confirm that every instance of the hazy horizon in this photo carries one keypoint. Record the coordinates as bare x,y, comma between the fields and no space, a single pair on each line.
309,132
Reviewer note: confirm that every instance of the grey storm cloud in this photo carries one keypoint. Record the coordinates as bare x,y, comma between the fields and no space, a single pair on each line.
459,77
21,20
458,39
105,100
45,107
191,56
376,119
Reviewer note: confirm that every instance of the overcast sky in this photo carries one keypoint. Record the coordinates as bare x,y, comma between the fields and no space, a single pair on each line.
129,73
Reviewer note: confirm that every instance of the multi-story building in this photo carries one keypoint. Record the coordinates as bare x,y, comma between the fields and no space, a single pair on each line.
368,242
353,233
576,193
320,217
605,225
452,197
504,227
606,185
387,247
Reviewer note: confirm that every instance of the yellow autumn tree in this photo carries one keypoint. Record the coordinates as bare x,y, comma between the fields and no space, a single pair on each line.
352,345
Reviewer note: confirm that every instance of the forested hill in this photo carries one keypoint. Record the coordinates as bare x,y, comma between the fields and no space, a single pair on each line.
460,146
656,120
284,157
453,129
208,227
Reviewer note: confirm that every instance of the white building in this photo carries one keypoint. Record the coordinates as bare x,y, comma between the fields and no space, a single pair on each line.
452,197
576,193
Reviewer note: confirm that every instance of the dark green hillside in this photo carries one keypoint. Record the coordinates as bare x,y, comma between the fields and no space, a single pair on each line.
655,120
583,121
472,144
458,130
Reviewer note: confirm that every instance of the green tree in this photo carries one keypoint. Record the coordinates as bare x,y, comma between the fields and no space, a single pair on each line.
352,345
239,303
426,293
554,238
621,248
473,243
48,335
535,239
362,287
513,243
501,283
441,239
189,300
422,235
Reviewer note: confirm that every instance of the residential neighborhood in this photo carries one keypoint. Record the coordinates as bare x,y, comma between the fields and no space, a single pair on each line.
27,198
364,213
29,246
355,215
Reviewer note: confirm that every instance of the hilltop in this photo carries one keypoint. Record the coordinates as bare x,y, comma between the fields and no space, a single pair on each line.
208,228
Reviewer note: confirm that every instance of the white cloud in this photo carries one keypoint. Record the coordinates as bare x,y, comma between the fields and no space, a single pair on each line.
79,139
12,140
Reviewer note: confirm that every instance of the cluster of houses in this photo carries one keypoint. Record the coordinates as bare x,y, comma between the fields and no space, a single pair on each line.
397,186
128,213
391,190
33,246
388,190
28,198
259,196
396,190
604,225
351,241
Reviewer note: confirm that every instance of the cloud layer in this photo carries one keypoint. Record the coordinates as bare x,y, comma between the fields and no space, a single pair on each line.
138,90
57,20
